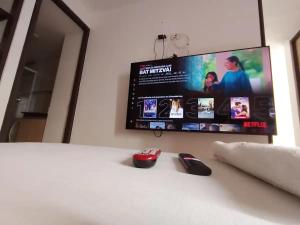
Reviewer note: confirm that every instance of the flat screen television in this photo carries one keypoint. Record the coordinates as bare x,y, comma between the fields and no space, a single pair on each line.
220,92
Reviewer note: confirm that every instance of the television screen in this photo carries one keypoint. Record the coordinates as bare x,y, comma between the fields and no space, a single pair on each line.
226,92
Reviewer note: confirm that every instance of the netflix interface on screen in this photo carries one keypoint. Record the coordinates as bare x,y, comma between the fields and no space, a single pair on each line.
227,92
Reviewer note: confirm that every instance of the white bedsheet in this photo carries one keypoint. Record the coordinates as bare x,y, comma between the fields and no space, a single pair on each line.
58,184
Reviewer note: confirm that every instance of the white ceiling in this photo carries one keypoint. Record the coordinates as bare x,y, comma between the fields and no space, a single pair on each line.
282,19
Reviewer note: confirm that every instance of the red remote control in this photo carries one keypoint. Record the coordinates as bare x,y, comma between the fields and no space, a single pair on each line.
147,158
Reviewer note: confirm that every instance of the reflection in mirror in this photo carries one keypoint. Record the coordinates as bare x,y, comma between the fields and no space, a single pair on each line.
5,9
6,5
9,14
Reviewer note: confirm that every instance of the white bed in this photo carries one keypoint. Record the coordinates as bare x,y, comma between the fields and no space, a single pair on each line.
58,184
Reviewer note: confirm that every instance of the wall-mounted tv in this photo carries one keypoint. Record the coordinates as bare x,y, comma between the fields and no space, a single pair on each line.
221,92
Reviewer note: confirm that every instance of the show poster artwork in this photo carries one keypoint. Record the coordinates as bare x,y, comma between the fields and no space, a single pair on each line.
240,108
150,108
228,92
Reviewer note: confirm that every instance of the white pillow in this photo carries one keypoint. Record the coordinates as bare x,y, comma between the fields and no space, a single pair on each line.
276,165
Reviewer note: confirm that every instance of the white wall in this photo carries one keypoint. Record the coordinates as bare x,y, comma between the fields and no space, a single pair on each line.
283,101
126,35
293,92
285,93
62,90
282,22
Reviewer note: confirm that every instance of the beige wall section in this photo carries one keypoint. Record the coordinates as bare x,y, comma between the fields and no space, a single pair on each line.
283,98
285,92
12,61
126,35
282,22
62,90
293,92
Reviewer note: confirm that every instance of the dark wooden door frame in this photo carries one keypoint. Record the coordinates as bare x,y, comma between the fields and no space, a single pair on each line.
78,74
296,55
263,40
261,24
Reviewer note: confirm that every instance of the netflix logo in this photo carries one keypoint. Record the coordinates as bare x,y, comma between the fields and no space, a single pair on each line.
255,124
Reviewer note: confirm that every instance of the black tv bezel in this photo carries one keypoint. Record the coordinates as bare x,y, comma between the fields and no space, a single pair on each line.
200,131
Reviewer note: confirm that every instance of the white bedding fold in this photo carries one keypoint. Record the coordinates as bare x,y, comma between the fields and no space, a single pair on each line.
276,165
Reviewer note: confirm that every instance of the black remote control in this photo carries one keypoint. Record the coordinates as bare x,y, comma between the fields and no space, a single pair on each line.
193,165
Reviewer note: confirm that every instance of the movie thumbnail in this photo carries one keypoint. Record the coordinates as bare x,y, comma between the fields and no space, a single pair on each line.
171,126
240,108
190,126
150,108
209,127
231,128
176,108
206,108
141,125
158,125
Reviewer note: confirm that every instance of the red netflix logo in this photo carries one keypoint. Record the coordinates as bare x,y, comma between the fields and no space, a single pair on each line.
255,124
